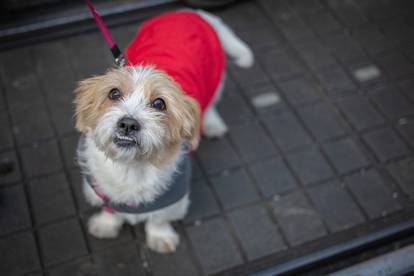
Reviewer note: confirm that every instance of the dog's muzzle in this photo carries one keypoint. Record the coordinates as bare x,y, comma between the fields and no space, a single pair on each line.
127,132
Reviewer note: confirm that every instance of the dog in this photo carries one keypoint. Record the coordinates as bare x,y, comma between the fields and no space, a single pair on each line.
138,122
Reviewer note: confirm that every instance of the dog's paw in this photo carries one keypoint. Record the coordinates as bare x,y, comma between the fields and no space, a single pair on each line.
214,131
163,243
246,59
104,225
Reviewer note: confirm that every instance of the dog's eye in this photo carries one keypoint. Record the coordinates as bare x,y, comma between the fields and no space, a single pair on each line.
114,94
158,103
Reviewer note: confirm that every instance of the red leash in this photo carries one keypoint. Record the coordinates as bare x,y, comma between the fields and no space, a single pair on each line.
116,52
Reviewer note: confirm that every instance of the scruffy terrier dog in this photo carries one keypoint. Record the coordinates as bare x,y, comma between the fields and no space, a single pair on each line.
139,121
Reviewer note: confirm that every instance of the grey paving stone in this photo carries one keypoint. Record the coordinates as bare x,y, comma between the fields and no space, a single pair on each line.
10,168
293,27
179,263
46,54
348,13
372,39
256,231
397,30
119,260
315,54
14,207
249,76
407,86
214,252
385,144
403,172
377,11
280,64
51,198
406,128
310,166
363,186
202,201
335,206
96,244
217,155
6,137
323,22
76,183
322,122
336,81
41,159
62,241
344,47
306,6
69,144
302,90
360,113
251,141
19,254
396,65
226,184
28,129
273,177
82,267
196,172
346,155
234,109
261,39
293,212
286,131
391,102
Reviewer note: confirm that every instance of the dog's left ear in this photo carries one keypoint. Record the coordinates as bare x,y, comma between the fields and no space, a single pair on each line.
191,121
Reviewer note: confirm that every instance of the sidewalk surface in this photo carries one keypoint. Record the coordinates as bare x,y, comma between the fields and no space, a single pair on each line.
331,160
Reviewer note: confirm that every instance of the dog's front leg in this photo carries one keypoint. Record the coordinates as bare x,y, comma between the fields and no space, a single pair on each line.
105,225
161,236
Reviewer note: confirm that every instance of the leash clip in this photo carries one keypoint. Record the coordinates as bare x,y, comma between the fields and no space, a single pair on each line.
120,60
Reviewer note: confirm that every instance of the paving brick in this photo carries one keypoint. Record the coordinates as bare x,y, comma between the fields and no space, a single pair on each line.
41,159
46,55
202,201
397,30
234,109
62,241
322,122
83,266
19,254
315,54
51,198
69,144
372,39
28,129
76,182
336,81
396,65
377,10
215,252
249,76
360,112
286,131
6,138
226,184
364,185
196,172
217,155
310,166
120,260
403,172
335,206
15,210
293,27
346,155
251,141
323,22
406,128
273,177
256,231
385,144
179,263
293,211
344,46
347,12
261,39
407,86
96,244
302,90
10,169
280,64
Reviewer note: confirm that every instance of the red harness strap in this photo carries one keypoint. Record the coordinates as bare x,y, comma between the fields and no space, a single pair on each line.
101,195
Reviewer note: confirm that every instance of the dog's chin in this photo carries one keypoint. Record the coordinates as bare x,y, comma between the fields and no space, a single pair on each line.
125,142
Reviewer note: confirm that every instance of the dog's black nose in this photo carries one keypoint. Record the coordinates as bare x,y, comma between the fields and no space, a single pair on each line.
128,125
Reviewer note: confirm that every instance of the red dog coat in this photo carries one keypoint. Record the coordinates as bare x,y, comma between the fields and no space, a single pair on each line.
186,47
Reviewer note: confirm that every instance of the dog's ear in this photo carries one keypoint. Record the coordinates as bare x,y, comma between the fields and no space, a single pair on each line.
191,121
85,103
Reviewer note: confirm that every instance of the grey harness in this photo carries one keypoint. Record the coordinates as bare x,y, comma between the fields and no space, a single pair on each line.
178,188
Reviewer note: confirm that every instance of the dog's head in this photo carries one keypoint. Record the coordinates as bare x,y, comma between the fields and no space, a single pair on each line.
136,113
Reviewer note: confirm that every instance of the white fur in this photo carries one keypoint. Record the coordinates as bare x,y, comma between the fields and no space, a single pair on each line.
125,176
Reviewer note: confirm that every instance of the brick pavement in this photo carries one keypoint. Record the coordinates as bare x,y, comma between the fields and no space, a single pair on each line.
332,158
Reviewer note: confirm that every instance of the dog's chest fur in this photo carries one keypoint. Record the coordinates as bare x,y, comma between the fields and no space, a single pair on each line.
132,183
